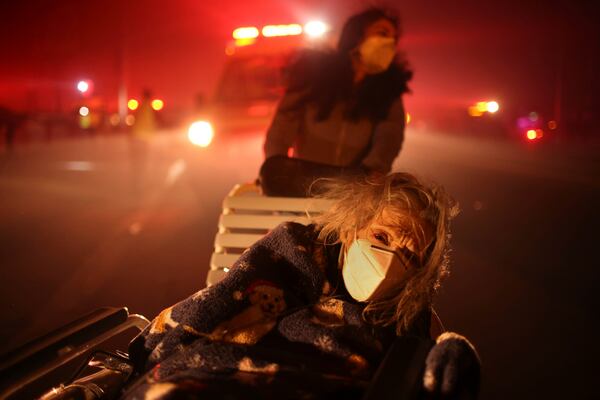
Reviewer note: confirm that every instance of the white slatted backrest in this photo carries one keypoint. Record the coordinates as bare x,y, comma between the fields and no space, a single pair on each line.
249,221
273,204
247,216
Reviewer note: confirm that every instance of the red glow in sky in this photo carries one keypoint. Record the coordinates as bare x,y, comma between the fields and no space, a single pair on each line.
460,50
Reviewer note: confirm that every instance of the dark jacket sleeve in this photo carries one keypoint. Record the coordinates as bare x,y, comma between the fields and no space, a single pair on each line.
387,140
286,125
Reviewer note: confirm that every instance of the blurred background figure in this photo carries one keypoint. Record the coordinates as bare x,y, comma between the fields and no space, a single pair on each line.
9,122
143,131
199,103
145,123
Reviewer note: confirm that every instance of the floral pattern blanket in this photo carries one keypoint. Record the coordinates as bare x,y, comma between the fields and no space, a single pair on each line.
278,313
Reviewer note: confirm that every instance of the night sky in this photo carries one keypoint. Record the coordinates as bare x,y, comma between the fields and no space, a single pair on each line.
461,51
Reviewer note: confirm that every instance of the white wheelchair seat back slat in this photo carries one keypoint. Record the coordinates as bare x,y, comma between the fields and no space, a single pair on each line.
247,216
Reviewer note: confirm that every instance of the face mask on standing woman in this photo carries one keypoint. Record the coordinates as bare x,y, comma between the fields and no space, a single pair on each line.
377,53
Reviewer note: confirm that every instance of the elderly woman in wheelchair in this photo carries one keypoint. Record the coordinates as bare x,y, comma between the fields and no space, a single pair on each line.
314,310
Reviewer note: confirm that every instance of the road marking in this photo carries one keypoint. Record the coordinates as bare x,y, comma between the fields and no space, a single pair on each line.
82,166
175,171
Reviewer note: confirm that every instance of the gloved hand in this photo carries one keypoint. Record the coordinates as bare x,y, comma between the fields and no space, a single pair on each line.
452,368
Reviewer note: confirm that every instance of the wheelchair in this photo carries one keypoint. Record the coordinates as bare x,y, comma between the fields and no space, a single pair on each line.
87,359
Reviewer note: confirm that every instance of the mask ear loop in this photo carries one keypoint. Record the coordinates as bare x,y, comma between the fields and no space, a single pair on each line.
344,251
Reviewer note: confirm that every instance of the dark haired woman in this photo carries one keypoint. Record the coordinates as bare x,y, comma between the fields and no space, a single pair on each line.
342,111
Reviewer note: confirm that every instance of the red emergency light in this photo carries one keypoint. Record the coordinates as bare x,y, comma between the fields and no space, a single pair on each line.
245,32
281,30
312,28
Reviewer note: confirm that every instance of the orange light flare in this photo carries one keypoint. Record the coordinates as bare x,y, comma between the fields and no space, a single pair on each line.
129,120
408,118
481,106
539,133
552,125
281,30
532,134
474,111
245,32
115,119
133,104
157,104
243,42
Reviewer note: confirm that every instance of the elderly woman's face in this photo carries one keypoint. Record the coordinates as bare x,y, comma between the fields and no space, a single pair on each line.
384,254
398,232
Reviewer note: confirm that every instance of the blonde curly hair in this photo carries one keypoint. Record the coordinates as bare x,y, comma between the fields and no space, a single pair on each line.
359,202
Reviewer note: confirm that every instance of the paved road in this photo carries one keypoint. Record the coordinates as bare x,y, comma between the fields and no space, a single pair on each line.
99,221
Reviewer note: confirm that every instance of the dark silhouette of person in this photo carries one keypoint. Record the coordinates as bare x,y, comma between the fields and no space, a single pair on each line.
9,123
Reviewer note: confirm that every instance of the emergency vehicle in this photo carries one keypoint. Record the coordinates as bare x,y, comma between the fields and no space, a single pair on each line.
251,82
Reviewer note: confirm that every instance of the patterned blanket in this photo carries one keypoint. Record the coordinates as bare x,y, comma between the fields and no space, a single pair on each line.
278,314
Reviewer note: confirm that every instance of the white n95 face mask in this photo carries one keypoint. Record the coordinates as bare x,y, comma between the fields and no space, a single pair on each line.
371,271
377,53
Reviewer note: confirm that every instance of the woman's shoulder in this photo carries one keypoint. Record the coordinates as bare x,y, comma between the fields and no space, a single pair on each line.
300,230
293,233
301,236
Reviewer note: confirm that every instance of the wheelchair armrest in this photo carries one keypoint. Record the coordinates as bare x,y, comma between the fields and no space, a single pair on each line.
37,358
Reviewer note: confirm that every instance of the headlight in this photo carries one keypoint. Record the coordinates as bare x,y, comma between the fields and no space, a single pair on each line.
533,134
315,29
201,133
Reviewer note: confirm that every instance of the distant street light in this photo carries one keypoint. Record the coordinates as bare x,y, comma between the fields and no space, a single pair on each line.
133,104
531,134
157,104
83,86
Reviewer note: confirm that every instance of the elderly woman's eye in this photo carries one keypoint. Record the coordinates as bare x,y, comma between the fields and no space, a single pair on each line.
382,237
